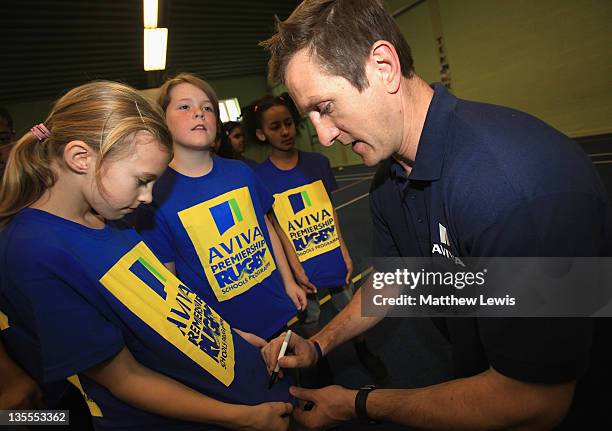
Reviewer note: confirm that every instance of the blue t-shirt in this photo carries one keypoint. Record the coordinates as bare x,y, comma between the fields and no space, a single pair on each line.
79,295
213,228
305,213
249,162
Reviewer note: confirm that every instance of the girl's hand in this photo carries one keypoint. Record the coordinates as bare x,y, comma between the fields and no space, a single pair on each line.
302,279
349,267
268,417
251,338
297,295
19,391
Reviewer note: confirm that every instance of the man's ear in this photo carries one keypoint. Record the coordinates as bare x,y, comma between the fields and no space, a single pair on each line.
384,62
79,157
260,135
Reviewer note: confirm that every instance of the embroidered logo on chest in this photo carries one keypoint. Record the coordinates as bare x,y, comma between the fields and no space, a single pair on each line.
443,248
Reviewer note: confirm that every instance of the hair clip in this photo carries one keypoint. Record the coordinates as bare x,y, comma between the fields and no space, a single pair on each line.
41,132
139,113
255,108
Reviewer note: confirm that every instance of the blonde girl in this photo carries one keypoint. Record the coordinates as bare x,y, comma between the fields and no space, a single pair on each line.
86,299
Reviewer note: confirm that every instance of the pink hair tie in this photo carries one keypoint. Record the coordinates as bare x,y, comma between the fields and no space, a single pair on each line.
41,132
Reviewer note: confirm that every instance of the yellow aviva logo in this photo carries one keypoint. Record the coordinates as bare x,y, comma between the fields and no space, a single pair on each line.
229,242
146,287
4,322
306,216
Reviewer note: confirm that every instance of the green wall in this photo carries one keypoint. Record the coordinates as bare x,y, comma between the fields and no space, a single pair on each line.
417,27
246,89
27,114
551,58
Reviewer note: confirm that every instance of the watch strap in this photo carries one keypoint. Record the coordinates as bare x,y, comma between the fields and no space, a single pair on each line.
360,403
317,347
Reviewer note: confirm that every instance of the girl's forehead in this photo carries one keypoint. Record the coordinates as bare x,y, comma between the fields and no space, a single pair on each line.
188,91
276,112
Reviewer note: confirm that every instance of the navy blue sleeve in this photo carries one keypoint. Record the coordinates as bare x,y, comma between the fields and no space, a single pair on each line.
544,350
153,227
45,293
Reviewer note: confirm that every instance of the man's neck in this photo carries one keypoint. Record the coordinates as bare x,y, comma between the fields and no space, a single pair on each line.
416,98
191,162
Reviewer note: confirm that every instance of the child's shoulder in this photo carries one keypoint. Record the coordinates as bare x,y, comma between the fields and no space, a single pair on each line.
29,243
264,167
231,163
234,167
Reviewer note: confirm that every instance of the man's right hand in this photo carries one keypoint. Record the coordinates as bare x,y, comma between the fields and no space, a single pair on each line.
304,353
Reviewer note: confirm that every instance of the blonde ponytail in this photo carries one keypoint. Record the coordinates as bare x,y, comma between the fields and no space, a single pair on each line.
105,115
27,175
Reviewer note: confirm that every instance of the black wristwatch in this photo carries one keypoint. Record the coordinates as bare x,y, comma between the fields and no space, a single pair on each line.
360,404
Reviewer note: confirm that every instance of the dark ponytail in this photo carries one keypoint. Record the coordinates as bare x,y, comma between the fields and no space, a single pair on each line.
226,150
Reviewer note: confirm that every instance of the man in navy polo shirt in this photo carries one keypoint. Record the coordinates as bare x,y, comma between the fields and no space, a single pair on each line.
459,179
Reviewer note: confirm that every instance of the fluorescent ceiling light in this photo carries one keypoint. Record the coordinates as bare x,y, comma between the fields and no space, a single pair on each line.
155,45
150,13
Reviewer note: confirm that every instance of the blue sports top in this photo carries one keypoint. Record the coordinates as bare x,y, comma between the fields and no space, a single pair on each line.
213,228
493,181
249,162
75,296
304,210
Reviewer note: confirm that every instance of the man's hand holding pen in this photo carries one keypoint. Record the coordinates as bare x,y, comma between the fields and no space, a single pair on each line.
304,353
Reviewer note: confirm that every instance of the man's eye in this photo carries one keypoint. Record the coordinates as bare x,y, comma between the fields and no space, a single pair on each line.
326,109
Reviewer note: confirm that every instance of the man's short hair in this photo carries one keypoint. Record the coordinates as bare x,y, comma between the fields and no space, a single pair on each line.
339,34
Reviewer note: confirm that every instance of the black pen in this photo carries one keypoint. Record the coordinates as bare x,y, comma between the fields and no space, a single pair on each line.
283,349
